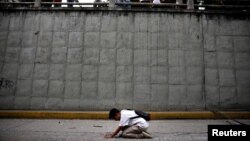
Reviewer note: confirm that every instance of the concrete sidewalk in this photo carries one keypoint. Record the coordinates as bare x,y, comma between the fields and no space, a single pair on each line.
94,130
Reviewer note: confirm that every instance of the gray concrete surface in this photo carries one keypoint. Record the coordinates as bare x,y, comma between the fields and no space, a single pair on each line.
96,60
94,130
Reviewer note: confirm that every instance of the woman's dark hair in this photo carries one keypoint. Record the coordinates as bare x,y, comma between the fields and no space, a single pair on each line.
112,113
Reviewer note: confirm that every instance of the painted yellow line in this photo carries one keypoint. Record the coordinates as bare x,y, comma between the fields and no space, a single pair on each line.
200,115
54,114
104,115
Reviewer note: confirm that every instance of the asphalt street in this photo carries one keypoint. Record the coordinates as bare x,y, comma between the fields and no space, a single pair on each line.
95,130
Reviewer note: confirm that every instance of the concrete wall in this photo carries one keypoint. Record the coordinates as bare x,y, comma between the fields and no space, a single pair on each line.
95,60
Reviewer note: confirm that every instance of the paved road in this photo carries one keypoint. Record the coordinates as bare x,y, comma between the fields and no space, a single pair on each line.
94,130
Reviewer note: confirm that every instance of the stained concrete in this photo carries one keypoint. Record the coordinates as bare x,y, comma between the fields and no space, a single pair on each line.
155,61
92,130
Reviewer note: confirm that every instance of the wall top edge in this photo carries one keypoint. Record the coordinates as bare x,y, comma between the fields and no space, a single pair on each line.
86,9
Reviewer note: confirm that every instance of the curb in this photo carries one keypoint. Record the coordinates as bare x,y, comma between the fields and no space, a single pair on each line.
201,115
104,115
